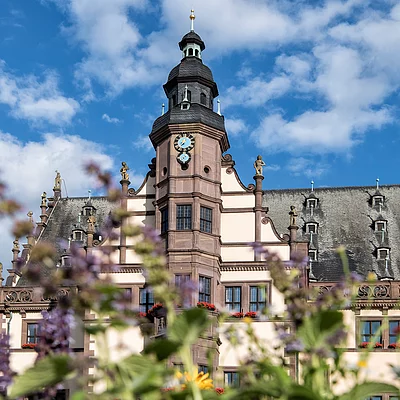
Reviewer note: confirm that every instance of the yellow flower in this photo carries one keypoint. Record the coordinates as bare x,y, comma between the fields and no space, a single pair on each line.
201,379
362,364
248,320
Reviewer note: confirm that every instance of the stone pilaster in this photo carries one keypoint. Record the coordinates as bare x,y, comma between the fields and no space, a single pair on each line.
258,211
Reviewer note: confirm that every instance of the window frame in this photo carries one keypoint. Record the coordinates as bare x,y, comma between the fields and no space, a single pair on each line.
231,382
184,222
234,305
25,330
312,201
314,258
147,305
206,219
203,294
312,225
379,250
385,335
257,302
164,220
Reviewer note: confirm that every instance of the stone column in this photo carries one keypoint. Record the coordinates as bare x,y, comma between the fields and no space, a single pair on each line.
124,205
259,211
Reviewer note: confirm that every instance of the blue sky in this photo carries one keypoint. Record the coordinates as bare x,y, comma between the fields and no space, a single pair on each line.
310,85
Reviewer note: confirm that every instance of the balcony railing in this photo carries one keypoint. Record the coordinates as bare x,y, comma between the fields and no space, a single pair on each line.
14,296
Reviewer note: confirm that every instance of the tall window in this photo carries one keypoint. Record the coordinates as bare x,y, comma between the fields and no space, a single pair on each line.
183,217
231,378
32,333
257,298
369,330
205,219
203,99
164,220
394,331
233,298
181,279
146,299
204,289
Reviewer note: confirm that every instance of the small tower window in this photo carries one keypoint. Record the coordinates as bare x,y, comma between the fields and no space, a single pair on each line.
377,201
383,254
190,52
77,235
65,260
196,53
311,227
312,203
312,255
203,99
380,226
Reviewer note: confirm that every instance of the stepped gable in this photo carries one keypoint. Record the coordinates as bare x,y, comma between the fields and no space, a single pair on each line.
63,219
345,216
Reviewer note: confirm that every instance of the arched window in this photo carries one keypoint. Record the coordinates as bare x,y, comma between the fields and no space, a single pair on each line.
197,53
190,52
203,99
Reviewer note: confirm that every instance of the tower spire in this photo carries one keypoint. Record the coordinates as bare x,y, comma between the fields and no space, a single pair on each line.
192,18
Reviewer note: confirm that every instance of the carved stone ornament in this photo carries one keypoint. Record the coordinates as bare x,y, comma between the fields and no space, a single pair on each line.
44,200
57,181
131,192
124,171
258,164
293,216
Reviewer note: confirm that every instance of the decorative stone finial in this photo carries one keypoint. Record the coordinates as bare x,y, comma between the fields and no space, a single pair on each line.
192,18
218,107
163,109
44,200
16,245
57,181
377,183
258,164
312,186
91,220
124,171
30,216
293,216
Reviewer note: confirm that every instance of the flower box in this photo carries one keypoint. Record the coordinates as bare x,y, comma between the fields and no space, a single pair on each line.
237,315
394,346
207,306
29,346
251,314
365,345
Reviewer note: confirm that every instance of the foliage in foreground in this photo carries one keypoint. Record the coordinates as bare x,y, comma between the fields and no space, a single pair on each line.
313,338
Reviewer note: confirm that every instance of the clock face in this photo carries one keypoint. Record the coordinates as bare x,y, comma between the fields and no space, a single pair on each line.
183,158
184,142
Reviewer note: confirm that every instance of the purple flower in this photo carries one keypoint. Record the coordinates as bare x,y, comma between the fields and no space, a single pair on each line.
295,346
55,331
6,374
186,290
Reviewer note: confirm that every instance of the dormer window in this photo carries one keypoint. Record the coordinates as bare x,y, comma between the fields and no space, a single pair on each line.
383,254
312,203
377,201
380,226
312,255
311,227
65,260
77,236
88,211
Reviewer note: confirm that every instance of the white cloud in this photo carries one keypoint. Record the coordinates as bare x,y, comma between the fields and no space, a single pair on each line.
256,92
300,166
35,100
235,126
143,142
111,120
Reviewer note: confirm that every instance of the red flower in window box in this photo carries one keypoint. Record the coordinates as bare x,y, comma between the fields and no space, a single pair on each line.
251,314
207,306
220,390
29,346
364,345
155,308
141,314
237,315
394,346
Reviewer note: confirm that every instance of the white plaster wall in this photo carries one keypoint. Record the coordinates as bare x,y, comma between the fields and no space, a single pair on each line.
238,201
148,187
267,233
283,251
19,362
229,182
124,278
237,253
232,356
237,227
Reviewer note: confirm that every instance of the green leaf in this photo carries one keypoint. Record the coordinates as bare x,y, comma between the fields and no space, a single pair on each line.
298,392
95,329
78,396
188,326
45,373
162,348
367,389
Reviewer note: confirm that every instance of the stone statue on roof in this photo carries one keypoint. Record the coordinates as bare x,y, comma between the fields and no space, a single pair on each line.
293,216
44,200
30,216
16,244
57,181
124,171
258,164
91,223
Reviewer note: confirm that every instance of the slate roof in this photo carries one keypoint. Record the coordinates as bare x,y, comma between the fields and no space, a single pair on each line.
191,67
345,216
192,37
63,219
196,113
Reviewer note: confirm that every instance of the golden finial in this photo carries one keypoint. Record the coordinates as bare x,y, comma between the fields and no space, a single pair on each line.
192,18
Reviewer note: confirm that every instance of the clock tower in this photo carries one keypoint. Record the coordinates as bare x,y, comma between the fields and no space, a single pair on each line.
189,140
